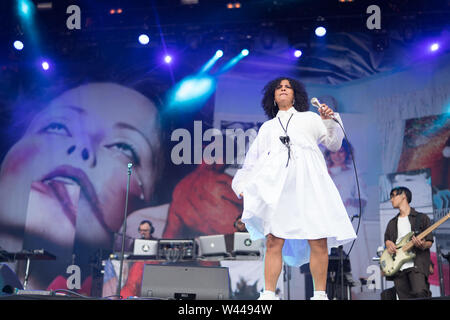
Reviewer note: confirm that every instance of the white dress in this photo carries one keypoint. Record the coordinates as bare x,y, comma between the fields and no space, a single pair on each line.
295,200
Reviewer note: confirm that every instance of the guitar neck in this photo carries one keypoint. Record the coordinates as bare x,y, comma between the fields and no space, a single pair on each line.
424,233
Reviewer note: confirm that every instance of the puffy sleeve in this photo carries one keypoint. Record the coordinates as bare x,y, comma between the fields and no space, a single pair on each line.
331,133
252,156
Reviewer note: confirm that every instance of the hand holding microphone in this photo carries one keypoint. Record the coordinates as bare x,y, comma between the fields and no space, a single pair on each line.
325,111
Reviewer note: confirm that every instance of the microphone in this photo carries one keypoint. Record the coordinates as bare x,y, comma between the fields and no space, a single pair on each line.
315,102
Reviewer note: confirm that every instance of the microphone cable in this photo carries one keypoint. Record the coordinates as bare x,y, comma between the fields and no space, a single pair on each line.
314,102
359,193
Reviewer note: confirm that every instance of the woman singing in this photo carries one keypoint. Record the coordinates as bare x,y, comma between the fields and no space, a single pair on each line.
289,197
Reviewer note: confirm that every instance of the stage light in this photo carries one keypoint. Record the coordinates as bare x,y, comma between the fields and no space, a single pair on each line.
235,5
298,53
167,59
144,39
434,46
208,65
219,53
245,52
192,91
119,11
18,45
44,6
112,11
45,65
231,63
25,10
320,31
24,7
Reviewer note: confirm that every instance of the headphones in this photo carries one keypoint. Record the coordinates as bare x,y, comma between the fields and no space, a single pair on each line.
152,229
236,221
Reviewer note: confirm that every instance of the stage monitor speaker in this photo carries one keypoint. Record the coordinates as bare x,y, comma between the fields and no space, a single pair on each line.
8,280
185,282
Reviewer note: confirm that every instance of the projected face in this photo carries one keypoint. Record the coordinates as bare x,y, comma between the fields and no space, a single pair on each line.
338,159
284,94
82,141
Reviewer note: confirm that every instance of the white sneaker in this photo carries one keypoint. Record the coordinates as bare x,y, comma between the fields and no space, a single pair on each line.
268,295
319,296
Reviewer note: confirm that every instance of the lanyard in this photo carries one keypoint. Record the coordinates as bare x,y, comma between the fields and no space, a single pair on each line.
285,139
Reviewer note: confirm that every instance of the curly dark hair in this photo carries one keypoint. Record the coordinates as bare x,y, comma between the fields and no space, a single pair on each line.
300,96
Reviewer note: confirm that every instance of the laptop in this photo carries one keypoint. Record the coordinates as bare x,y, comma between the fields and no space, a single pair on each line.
243,245
212,245
143,247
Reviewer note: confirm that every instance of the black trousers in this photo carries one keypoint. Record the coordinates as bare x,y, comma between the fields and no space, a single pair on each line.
411,284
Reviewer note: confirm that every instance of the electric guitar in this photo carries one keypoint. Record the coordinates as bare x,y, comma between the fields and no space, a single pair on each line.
391,263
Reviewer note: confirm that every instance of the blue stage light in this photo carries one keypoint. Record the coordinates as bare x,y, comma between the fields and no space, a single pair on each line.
298,53
208,65
320,31
25,8
144,39
45,65
18,45
192,91
232,62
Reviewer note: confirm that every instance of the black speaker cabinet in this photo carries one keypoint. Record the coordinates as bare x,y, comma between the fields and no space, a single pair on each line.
185,282
8,280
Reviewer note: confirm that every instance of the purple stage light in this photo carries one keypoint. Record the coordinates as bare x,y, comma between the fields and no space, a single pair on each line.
434,46
167,59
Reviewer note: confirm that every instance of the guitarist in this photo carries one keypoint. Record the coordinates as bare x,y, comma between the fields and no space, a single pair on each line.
411,281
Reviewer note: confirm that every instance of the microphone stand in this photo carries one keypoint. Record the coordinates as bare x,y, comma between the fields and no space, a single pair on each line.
124,230
341,266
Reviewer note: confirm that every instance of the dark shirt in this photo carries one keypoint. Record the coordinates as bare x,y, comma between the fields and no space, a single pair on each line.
422,260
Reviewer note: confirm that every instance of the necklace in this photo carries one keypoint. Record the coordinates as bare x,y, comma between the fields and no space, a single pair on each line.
285,139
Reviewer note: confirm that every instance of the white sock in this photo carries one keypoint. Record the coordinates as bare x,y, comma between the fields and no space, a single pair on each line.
320,293
268,292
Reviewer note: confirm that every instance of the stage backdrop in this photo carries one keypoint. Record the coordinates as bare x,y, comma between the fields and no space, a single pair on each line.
69,134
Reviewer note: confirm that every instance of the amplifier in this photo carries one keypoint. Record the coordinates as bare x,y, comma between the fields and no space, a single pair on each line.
174,250
185,283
